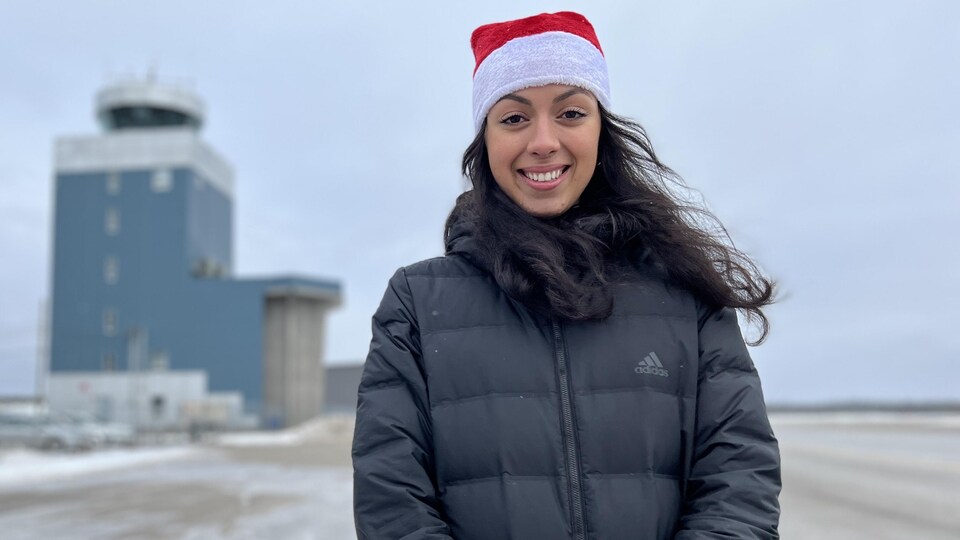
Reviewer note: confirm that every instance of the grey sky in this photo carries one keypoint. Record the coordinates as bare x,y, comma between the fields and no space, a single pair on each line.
823,134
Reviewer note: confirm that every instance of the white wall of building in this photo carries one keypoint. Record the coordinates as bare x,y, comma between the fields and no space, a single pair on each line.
147,400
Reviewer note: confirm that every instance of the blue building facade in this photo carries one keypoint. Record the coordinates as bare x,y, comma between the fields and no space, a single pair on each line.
142,253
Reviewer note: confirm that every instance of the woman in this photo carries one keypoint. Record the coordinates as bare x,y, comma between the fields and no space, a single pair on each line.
572,367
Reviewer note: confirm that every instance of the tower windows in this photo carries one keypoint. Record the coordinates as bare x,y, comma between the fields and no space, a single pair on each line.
113,183
162,181
111,270
159,361
109,322
111,222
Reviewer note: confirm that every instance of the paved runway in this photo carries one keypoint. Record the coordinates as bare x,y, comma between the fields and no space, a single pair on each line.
853,478
878,480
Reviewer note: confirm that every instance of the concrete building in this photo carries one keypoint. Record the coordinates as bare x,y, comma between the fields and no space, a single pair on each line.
142,277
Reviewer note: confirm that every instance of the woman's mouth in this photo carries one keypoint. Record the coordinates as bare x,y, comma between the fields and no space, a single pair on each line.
544,178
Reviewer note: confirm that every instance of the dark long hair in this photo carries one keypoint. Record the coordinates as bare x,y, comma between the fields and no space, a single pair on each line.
635,211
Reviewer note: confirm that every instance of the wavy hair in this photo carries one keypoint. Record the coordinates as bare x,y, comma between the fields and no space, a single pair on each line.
634,212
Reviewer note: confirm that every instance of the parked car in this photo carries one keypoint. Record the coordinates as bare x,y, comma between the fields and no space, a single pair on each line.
118,434
45,432
103,433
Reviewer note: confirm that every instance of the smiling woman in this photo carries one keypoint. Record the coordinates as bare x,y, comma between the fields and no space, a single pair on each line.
573,366
542,146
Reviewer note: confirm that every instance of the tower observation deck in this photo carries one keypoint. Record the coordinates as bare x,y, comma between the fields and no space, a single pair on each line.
145,104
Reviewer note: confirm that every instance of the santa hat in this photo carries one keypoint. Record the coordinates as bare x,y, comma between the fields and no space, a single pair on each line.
550,48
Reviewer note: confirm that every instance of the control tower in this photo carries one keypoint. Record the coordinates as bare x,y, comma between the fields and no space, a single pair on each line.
136,104
142,278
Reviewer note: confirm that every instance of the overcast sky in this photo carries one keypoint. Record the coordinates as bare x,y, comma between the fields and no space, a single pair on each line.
824,134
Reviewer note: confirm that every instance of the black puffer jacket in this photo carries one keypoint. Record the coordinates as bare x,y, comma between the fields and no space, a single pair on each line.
479,419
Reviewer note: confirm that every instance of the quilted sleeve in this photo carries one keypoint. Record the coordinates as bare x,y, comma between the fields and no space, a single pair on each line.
734,482
394,483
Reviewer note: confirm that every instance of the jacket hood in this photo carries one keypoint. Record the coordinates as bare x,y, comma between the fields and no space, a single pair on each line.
460,237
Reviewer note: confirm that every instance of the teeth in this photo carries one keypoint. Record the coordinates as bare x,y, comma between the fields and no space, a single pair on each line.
544,177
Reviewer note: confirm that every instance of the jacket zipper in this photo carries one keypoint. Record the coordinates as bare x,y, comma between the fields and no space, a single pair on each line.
569,436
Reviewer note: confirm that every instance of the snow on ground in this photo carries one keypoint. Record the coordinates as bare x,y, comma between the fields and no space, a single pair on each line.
208,499
323,428
22,466
25,466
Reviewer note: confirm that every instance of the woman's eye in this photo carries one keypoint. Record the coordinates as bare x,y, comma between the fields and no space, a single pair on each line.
512,119
572,114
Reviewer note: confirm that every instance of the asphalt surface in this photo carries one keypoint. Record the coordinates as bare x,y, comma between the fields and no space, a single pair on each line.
884,481
846,481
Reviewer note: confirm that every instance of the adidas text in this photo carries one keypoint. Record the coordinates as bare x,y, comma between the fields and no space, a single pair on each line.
647,370
651,365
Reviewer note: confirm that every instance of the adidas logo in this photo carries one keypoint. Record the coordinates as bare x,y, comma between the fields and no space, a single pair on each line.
650,365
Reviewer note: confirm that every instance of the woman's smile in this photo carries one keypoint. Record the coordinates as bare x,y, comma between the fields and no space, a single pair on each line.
544,178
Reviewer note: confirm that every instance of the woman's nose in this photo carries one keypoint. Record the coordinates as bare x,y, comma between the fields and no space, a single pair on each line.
543,138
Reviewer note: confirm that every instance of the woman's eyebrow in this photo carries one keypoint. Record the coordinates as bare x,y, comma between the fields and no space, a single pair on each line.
569,93
515,97
557,99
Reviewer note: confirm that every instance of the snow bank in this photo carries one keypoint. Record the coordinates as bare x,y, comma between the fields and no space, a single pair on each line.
24,466
321,429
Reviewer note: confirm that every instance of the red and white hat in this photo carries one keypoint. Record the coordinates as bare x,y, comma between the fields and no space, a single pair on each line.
550,48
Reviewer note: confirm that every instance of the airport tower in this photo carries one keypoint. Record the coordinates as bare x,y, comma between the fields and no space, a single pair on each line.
142,279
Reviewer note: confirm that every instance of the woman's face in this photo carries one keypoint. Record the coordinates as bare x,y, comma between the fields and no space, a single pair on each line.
542,145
